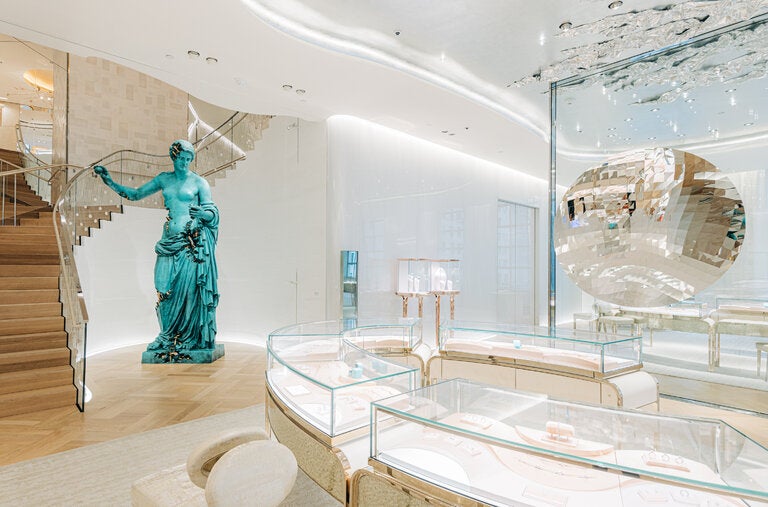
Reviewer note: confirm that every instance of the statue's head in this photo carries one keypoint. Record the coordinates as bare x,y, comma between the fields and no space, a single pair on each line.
179,146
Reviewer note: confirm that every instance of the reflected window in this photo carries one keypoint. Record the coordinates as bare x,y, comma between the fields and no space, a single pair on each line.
516,251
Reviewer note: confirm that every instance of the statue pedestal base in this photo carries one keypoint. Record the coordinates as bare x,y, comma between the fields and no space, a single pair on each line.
183,356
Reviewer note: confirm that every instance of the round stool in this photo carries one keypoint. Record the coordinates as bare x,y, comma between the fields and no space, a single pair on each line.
261,472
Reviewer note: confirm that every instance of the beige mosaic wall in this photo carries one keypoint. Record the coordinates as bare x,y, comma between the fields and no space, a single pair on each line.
112,108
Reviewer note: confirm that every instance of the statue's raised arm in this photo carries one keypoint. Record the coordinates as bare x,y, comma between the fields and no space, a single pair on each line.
132,194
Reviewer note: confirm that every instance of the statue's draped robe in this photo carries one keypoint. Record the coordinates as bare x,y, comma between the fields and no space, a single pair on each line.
186,283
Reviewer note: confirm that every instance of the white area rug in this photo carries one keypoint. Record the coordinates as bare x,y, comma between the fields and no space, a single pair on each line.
102,474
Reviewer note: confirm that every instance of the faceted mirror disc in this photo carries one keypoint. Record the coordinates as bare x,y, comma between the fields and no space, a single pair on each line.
649,228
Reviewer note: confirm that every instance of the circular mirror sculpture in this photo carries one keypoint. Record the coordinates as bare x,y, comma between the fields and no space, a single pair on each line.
649,228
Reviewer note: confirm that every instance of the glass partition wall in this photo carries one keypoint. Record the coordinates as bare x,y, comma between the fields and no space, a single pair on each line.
660,200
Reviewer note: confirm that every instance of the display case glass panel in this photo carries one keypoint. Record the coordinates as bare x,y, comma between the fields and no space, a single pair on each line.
749,306
402,335
593,352
329,381
413,276
445,275
506,447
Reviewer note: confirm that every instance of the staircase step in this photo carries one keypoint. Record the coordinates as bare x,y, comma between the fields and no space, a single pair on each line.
46,259
36,222
29,248
38,239
29,310
34,341
16,297
27,270
36,400
13,230
10,327
33,359
31,283
40,378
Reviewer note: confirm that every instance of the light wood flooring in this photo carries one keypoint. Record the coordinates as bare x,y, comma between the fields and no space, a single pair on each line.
129,397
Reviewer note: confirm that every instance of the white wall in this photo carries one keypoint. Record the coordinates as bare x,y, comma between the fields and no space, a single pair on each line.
272,231
9,117
387,193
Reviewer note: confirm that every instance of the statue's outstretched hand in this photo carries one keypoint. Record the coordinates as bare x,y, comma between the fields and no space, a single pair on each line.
101,171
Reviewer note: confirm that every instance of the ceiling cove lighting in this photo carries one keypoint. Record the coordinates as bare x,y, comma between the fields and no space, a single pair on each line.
460,83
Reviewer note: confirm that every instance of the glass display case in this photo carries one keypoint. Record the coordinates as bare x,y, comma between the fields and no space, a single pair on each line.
423,276
329,381
756,307
504,447
592,353
400,336
413,276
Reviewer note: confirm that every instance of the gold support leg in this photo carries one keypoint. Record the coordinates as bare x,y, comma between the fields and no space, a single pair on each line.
405,306
421,306
453,307
437,320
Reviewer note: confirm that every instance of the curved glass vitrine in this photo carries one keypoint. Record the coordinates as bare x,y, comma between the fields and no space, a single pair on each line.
503,447
321,373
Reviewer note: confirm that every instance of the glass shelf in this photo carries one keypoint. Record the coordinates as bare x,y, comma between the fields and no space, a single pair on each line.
588,352
501,446
328,380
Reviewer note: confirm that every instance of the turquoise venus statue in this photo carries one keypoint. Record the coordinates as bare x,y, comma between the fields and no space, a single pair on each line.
185,269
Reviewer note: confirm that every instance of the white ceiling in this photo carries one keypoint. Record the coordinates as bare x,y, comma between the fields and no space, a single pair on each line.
458,73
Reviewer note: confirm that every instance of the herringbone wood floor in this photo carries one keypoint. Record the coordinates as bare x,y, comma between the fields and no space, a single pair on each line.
129,397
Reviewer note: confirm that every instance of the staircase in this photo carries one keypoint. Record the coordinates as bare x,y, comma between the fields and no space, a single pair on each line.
35,371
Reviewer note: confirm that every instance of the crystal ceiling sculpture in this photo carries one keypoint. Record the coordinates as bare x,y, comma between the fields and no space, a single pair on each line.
652,28
649,228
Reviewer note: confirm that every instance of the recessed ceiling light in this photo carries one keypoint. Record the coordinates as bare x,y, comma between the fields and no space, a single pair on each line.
689,100
748,124
730,90
444,131
654,109
300,91
652,138
287,87
169,56
193,54
611,128
566,25
615,5
211,59
397,32
627,119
